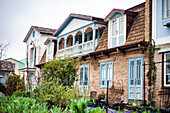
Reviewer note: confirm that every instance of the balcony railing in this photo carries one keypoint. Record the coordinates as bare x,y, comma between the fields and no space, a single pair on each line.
76,50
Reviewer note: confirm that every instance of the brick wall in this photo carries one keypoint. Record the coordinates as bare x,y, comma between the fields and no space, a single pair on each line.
120,74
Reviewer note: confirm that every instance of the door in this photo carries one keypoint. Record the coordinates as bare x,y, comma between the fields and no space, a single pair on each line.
135,78
84,79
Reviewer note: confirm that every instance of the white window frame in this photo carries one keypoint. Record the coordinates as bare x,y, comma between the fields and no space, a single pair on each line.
110,31
165,9
165,59
50,51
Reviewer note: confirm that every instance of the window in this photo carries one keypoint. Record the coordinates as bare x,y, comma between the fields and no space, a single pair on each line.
33,34
84,79
106,73
50,51
13,65
117,31
167,70
166,8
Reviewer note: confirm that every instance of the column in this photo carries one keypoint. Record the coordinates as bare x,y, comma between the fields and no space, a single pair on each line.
83,36
73,41
94,34
65,45
57,47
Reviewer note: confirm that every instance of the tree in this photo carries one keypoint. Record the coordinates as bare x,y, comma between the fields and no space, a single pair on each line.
57,78
63,71
3,48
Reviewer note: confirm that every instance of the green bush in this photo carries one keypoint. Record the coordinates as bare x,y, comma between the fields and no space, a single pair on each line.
20,93
54,94
63,71
14,83
57,80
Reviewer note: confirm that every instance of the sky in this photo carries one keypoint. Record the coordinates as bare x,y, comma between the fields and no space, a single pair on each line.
17,16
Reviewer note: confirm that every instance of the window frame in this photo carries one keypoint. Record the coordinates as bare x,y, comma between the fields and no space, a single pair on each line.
165,59
80,86
50,51
110,32
105,86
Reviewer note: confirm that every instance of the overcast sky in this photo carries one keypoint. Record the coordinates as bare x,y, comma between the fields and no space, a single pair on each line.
17,16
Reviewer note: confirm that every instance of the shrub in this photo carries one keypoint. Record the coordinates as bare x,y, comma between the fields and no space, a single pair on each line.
14,83
2,88
54,94
63,71
20,93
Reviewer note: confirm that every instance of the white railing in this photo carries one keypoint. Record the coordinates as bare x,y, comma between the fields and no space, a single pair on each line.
87,47
61,53
69,51
78,49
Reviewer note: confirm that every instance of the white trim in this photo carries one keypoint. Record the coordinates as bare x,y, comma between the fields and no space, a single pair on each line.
164,50
165,70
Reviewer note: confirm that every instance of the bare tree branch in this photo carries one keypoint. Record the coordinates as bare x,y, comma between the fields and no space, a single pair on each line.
3,48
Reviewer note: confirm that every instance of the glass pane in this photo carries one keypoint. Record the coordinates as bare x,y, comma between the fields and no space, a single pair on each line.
167,68
167,79
168,8
131,72
103,76
113,42
114,28
109,74
81,76
121,40
86,76
121,22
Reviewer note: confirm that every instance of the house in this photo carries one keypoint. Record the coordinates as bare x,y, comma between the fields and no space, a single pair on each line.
161,36
15,64
34,40
112,49
5,68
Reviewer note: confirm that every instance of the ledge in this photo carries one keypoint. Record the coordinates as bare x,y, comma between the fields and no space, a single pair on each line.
166,22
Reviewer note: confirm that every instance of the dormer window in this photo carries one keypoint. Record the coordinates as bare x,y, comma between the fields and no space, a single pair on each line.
117,27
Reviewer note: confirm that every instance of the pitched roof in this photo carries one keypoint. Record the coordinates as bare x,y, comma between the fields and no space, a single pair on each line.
71,16
121,11
11,59
41,30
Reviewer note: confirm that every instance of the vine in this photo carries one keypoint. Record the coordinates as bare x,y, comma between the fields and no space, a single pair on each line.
152,71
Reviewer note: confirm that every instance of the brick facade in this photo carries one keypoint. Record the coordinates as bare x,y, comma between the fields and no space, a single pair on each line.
139,31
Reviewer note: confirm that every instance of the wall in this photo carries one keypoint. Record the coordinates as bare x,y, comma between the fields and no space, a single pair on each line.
120,73
161,34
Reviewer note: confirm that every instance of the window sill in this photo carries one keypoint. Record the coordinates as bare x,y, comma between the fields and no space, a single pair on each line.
166,22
